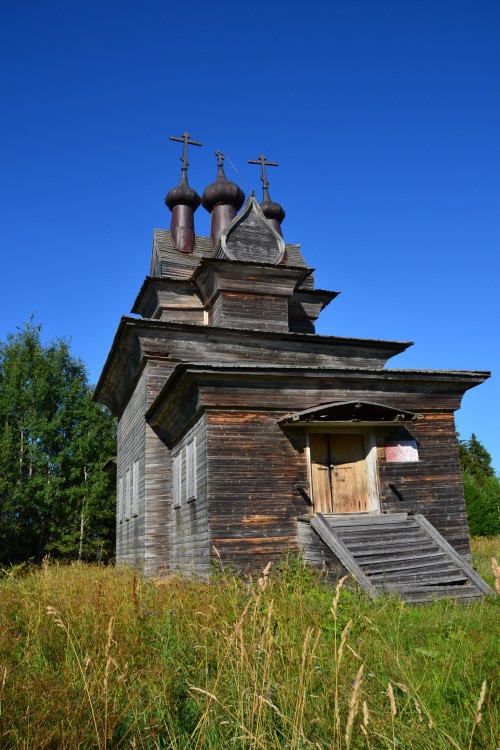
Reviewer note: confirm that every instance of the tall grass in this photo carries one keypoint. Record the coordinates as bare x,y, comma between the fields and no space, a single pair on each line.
94,657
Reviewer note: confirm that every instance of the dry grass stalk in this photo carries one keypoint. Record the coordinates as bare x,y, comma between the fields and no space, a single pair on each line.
343,639
213,698
390,693
478,714
335,602
353,705
366,715
52,612
4,679
264,579
496,572
305,672
109,662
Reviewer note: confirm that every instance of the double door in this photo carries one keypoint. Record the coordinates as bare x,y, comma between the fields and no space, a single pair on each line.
340,473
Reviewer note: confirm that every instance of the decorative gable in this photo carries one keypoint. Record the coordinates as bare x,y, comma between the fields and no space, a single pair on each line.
251,238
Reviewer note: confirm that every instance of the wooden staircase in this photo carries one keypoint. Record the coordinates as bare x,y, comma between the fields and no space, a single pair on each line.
399,552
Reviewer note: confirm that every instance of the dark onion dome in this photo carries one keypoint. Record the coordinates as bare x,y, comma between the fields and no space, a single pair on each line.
272,210
182,195
222,192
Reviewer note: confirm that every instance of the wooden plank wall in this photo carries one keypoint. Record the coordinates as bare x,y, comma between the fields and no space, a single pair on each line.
158,494
253,469
253,500
257,312
315,552
190,523
131,447
432,486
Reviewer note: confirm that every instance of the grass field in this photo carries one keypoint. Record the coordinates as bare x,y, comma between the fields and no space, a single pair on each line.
97,657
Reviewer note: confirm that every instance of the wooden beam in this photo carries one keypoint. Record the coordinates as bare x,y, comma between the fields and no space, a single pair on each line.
326,533
458,559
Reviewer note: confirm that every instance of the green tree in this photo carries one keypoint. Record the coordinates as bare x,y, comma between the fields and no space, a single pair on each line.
475,459
54,497
481,488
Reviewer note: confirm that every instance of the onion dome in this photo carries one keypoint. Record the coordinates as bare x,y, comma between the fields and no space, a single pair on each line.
182,195
183,202
222,191
271,210
222,199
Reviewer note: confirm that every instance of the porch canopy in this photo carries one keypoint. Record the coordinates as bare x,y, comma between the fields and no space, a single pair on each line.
349,411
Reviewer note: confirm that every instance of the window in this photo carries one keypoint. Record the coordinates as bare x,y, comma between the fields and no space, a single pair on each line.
127,499
191,470
121,499
177,479
135,488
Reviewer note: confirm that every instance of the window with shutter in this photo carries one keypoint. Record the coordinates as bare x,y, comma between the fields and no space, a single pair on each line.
121,499
176,480
135,488
127,503
191,470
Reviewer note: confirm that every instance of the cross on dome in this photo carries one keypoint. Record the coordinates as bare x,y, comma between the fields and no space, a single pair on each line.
263,163
185,138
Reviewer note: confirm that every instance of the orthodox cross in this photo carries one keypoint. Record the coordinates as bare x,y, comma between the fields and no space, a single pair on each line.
220,161
185,138
263,163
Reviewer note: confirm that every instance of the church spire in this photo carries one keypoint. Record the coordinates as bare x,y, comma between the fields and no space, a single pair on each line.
222,199
183,202
271,210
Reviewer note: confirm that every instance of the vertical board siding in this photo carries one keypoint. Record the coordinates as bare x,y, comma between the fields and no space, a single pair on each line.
158,482
190,523
130,528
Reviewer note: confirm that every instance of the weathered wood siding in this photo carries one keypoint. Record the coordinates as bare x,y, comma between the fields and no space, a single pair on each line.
432,485
257,312
158,490
131,443
253,500
190,522
315,552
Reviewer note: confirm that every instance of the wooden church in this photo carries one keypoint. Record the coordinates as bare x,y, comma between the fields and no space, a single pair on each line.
243,434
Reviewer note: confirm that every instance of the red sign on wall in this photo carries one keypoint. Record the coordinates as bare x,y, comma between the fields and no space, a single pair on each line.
401,451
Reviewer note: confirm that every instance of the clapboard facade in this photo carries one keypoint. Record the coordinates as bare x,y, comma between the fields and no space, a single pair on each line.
238,424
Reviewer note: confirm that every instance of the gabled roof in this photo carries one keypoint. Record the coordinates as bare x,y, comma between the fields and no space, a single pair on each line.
167,262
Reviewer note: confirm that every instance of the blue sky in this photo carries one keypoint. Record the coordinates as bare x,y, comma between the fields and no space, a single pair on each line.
384,117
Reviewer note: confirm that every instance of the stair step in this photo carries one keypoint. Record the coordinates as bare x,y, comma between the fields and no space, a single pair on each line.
432,578
399,553
359,519
397,557
442,563
395,545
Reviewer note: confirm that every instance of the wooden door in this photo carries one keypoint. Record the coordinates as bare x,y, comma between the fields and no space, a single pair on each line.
338,468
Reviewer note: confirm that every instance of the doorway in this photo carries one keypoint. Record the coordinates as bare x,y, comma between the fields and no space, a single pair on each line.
342,473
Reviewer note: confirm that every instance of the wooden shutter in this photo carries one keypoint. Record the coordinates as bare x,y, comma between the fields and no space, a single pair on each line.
135,488
191,470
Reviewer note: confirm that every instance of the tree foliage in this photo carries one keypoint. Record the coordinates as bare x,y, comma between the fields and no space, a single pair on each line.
54,496
481,488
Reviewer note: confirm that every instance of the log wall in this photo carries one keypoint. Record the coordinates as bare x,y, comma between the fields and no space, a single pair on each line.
253,500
